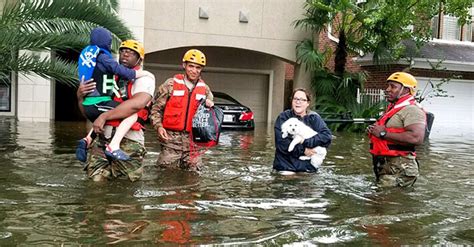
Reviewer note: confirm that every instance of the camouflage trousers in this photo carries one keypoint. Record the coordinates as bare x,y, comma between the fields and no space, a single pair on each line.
395,171
177,153
98,167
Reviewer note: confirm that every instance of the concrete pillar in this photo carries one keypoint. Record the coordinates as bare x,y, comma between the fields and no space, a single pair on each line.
278,100
132,12
302,78
35,101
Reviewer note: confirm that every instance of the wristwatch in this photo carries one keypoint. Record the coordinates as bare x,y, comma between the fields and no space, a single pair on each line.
382,134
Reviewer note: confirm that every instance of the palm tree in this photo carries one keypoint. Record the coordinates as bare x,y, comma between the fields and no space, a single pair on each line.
334,91
49,25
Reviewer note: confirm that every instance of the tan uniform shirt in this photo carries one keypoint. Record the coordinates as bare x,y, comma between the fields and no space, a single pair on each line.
161,97
409,115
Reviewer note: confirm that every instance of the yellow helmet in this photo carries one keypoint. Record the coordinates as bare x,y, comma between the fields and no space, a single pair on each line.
195,56
134,46
405,79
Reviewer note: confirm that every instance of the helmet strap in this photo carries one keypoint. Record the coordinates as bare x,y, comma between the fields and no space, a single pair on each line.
139,61
401,92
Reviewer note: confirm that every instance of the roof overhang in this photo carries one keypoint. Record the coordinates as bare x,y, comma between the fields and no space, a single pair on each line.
423,63
449,54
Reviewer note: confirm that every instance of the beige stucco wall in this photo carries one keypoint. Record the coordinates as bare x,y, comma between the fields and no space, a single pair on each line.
260,46
35,101
176,23
132,12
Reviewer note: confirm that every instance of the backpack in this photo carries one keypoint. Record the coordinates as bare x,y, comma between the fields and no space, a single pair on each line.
88,60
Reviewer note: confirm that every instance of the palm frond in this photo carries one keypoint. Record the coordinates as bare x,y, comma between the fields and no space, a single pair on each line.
58,69
309,56
85,11
44,17
52,25
316,16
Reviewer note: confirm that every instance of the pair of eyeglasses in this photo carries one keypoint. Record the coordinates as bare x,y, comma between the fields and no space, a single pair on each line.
299,99
126,50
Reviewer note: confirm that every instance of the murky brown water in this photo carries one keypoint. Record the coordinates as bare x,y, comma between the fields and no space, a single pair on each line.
45,198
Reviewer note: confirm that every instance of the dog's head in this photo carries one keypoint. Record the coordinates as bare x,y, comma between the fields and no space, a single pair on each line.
290,126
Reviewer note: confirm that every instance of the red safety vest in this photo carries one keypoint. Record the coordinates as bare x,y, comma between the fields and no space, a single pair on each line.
182,105
142,114
381,147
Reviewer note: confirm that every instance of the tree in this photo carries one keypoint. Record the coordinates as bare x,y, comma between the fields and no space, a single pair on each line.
49,25
377,27
363,27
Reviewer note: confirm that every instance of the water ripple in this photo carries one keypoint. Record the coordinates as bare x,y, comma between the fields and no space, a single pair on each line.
264,203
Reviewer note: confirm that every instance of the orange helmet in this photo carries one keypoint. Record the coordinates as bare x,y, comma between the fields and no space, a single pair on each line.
134,46
195,56
405,79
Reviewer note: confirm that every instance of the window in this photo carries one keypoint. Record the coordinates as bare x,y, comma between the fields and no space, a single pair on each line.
5,93
450,30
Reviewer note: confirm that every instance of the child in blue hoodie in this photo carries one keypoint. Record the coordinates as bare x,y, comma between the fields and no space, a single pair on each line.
96,62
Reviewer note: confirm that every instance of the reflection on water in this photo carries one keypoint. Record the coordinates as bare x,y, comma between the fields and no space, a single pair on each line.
45,198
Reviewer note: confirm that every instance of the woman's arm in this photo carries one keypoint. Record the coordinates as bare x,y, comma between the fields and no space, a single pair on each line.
324,136
281,143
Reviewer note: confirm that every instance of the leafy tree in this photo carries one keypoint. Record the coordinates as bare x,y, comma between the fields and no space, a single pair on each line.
52,25
373,26
377,27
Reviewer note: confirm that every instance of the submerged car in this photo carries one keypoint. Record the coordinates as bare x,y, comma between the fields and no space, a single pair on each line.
236,115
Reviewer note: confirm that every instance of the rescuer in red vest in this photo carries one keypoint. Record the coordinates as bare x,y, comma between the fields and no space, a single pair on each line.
135,96
174,106
394,136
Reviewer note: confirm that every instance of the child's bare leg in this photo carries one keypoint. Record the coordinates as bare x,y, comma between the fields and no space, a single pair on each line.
83,145
89,137
121,130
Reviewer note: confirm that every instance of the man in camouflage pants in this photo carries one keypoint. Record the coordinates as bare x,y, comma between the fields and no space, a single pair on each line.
394,136
173,108
140,93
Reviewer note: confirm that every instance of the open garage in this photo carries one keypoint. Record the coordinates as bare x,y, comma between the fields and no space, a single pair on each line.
254,79
250,89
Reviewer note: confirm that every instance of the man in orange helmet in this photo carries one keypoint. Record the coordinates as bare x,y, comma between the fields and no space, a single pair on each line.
394,136
175,104
134,98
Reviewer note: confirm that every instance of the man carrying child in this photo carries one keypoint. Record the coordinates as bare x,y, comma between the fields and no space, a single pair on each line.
135,96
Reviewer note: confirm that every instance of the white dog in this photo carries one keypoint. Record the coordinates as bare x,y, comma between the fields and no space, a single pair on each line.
300,132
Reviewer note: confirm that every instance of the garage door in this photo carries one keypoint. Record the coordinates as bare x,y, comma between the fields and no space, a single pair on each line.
247,88
454,113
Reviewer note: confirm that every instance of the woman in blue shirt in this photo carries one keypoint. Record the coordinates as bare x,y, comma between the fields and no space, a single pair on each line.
289,162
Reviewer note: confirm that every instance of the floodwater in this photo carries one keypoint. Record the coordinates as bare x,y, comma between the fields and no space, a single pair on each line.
46,199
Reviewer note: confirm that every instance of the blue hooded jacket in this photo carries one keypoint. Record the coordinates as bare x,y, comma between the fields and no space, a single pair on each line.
102,38
105,63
